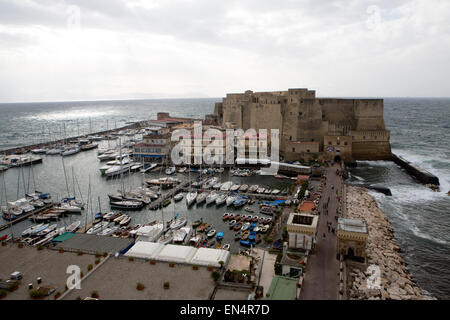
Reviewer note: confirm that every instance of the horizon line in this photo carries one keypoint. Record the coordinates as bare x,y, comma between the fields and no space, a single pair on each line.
187,98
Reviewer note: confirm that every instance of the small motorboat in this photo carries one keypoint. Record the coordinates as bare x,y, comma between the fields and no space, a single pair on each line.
170,170
255,219
226,246
249,218
208,228
226,186
178,197
275,191
257,229
211,233
232,223
219,236
243,188
125,221
230,200
231,216
245,235
235,187
265,228
225,216
221,199
196,223
201,197
238,226
253,188
237,235
202,227
204,244
178,223
212,197
245,226
248,209
212,244
237,217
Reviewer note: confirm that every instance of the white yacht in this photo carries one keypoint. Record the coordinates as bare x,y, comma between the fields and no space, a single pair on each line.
211,197
221,199
190,198
226,186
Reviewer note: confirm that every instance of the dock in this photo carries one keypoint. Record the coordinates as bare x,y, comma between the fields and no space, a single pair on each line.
414,170
25,216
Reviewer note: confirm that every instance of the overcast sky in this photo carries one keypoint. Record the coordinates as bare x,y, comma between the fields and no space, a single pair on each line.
117,49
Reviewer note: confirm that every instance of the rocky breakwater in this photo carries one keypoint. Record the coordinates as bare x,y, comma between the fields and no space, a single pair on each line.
395,281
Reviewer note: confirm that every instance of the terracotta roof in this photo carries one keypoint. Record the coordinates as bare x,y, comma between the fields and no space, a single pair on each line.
306,206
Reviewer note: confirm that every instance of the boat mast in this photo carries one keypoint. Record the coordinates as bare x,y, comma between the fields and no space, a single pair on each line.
87,204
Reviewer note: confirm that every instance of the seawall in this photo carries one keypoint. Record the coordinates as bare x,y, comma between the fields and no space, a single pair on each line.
382,251
23,149
420,174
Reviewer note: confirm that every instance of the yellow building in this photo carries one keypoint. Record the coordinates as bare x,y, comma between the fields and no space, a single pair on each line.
301,228
352,237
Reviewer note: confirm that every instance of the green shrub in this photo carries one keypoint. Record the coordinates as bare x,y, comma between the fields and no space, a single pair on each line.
166,285
195,267
140,286
36,294
215,275
97,261
98,255
13,286
79,252
130,259
3,294
90,267
20,245
94,294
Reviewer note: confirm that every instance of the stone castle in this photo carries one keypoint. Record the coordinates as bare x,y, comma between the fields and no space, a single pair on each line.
310,127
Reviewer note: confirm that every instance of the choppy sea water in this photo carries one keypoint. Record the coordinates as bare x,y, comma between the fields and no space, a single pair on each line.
419,132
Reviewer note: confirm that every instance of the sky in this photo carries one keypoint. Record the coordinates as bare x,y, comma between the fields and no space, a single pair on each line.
60,50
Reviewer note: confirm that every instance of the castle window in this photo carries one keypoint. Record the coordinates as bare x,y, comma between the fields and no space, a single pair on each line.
290,138
307,150
329,142
345,143
300,113
364,137
312,140
293,149
375,137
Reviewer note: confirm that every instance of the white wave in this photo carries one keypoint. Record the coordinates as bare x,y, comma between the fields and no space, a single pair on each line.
418,233
426,162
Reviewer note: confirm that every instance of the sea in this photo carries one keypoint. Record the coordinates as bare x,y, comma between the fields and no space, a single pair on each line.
419,128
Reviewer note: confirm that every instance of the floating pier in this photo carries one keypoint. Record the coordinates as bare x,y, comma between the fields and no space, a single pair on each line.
417,172
25,216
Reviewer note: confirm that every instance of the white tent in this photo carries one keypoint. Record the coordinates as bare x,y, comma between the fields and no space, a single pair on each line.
210,257
150,233
175,253
144,249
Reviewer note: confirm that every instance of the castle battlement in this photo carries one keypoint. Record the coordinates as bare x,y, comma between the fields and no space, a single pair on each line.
301,117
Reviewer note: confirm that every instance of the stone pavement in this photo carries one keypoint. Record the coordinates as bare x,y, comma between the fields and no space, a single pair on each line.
321,280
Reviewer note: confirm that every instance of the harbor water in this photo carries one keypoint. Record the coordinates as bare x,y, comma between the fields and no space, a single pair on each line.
420,130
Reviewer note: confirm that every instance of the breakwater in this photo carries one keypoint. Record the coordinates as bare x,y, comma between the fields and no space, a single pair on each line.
27,148
382,252
420,174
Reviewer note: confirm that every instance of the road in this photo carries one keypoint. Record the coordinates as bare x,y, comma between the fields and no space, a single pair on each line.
322,272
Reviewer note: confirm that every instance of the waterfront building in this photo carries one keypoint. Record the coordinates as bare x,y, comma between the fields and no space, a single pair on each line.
310,127
155,146
352,237
301,228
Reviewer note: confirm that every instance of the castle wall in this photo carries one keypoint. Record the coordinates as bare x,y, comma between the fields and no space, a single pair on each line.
301,117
